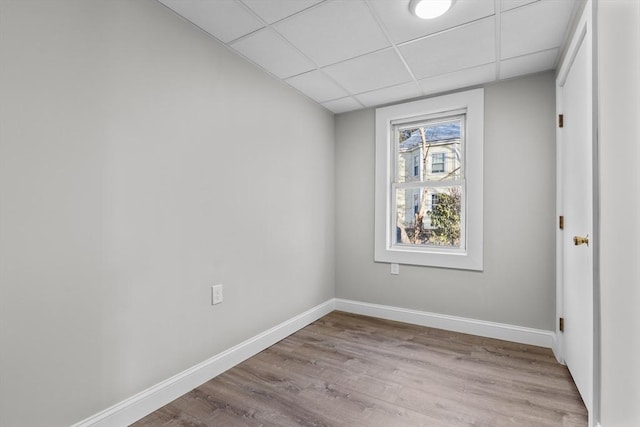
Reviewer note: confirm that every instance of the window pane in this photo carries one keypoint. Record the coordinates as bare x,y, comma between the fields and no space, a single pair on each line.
429,152
427,216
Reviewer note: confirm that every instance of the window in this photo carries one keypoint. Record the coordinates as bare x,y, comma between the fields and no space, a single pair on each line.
437,162
416,165
434,205
434,200
431,214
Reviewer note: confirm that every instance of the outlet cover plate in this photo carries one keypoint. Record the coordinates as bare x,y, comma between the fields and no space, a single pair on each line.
395,269
216,294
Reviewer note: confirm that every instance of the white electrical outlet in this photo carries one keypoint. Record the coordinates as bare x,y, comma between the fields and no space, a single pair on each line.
216,294
395,269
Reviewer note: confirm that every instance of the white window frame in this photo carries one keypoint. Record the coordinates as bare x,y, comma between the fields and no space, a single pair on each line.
469,256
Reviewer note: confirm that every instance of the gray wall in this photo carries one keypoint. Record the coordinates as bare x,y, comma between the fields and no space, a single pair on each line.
140,163
619,92
518,283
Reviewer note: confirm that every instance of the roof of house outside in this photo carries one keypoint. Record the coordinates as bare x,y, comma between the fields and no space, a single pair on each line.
436,134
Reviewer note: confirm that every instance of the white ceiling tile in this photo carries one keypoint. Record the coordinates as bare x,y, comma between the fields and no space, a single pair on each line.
459,79
224,19
275,10
355,74
512,4
270,51
334,31
460,48
390,94
402,25
316,85
527,64
535,27
342,105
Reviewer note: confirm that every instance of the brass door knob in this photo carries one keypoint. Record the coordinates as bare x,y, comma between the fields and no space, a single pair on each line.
577,240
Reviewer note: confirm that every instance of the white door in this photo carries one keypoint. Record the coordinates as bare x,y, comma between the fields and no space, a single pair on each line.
576,188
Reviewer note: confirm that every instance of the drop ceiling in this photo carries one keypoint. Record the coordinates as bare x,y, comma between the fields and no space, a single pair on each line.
353,54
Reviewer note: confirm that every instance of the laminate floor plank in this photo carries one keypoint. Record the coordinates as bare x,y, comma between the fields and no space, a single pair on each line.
524,379
313,391
351,370
368,389
485,366
446,393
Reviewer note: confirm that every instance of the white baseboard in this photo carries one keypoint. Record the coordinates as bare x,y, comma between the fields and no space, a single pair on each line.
481,328
136,407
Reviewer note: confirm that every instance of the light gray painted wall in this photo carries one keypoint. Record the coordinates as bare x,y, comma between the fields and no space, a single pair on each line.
518,283
619,138
140,163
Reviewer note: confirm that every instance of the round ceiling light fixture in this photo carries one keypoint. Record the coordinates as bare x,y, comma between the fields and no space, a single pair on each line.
429,9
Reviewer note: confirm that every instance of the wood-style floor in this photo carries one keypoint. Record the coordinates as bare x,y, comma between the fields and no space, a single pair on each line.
350,370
